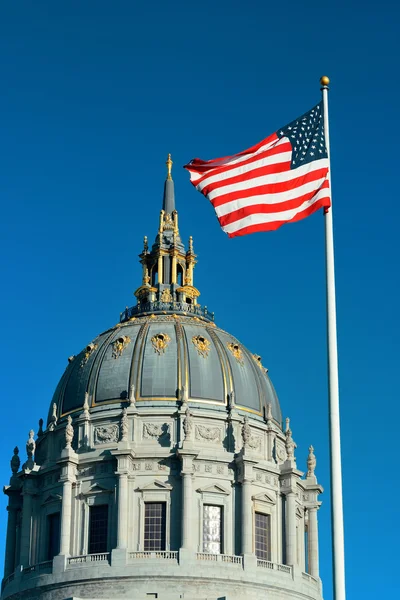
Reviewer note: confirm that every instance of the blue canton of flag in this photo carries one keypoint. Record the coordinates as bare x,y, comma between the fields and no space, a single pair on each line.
307,137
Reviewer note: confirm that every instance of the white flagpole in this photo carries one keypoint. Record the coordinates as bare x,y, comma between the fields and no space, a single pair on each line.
339,589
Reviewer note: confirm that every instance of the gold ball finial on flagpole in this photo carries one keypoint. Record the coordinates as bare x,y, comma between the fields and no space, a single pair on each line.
324,81
169,164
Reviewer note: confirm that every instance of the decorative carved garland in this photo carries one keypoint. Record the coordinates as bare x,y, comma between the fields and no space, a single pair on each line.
160,342
210,434
119,345
236,352
202,345
106,434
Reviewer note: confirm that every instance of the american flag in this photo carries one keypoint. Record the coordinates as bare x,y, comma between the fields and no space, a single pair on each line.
283,178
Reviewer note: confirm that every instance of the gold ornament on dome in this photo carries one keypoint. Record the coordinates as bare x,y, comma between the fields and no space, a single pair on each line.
258,362
236,352
202,345
166,296
90,348
160,342
119,345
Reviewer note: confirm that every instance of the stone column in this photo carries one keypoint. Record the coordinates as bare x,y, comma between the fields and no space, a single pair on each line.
9,560
174,270
313,553
247,518
68,463
187,533
291,528
66,511
25,552
122,540
160,269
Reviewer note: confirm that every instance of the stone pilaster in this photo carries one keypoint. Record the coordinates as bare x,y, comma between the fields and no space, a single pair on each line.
11,539
187,455
291,528
68,463
245,468
312,489
313,551
124,472
26,525
290,478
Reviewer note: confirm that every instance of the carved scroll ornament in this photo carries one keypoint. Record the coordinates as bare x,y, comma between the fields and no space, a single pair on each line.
106,434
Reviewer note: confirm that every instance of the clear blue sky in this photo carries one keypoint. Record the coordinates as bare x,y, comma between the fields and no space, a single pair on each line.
93,95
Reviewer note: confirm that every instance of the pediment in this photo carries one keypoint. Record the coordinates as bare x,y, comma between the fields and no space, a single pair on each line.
52,498
154,486
265,497
96,488
214,489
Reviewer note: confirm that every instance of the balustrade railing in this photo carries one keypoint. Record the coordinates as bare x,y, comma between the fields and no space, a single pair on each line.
166,307
225,558
89,558
267,564
310,578
42,566
162,554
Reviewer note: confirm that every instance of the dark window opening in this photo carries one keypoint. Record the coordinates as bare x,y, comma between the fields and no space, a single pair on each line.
98,528
179,275
53,535
212,529
154,276
262,536
154,526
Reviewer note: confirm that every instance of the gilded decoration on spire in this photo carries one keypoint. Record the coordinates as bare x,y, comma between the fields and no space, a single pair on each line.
167,282
169,164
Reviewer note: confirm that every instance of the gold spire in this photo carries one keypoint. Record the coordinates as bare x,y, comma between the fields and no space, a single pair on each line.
169,164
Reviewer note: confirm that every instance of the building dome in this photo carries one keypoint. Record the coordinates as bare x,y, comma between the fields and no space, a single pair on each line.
164,470
162,358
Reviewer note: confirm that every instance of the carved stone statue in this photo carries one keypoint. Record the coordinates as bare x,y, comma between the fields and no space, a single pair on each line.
15,461
124,425
188,424
53,418
131,398
30,446
69,432
40,430
184,396
246,432
269,413
289,442
86,406
231,400
311,462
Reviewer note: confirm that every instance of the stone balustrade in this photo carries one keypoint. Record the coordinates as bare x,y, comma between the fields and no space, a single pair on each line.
163,554
89,558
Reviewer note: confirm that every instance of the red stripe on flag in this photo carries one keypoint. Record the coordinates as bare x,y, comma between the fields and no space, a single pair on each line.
271,188
323,202
257,209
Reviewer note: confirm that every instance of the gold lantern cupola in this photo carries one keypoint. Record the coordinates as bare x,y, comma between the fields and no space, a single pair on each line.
167,268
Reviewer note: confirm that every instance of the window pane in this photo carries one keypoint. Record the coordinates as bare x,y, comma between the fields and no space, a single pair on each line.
98,529
262,536
212,529
53,535
154,526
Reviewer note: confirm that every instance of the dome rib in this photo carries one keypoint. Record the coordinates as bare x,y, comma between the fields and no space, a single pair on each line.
209,372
